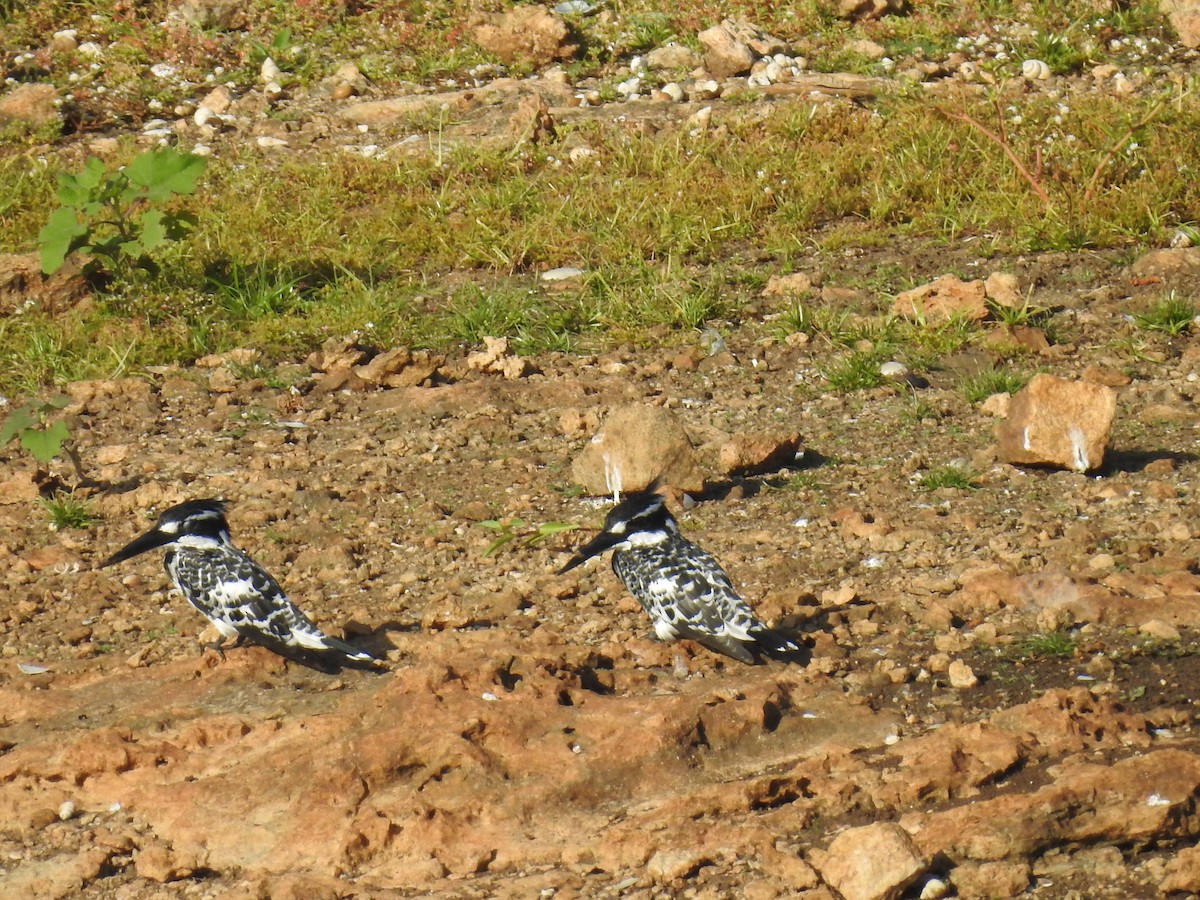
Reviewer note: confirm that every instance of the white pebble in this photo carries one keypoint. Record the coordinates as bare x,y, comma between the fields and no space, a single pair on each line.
66,811
269,71
90,48
267,142
162,70
203,114
673,90
893,369
489,697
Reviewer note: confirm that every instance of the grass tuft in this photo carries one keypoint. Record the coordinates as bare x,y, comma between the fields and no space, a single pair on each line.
979,387
956,477
68,511
1172,315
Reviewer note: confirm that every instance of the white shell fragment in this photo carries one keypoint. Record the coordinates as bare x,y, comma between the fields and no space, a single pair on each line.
1035,70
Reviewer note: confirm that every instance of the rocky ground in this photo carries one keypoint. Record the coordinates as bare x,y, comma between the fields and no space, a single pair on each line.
530,736
999,702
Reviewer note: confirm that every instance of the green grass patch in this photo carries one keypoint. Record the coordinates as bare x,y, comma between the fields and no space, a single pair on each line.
1047,645
1171,314
68,511
956,477
979,387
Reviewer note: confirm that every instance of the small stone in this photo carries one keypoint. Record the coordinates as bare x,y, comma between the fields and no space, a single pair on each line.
562,273
66,811
943,299
1004,289
724,53
673,56
872,862
33,104
997,405
747,454
666,866
528,34
1160,630
962,676
893,370
797,284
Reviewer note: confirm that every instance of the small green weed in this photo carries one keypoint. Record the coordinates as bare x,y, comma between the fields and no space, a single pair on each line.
1025,314
1171,315
255,292
956,477
68,511
1050,645
855,372
514,529
979,387
115,215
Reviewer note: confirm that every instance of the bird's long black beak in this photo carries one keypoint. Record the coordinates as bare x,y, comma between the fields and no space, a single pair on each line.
598,544
148,541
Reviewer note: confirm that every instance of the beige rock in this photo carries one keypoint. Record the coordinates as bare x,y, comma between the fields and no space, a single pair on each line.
725,54
996,405
1169,262
756,453
53,556
991,880
525,34
942,299
873,862
1004,289
1183,872
1185,19
1106,376
33,104
636,445
961,676
23,285
1124,802
337,353
673,56
218,99
241,356
796,284
496,357
1056,422
667,865
869,49
1163,631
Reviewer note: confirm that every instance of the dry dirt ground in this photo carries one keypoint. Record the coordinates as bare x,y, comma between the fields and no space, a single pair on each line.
530,738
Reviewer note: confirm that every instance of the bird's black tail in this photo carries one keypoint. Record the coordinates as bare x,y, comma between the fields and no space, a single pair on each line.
782,646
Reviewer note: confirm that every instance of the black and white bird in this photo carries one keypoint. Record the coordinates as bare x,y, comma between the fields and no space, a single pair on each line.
681,586
234,592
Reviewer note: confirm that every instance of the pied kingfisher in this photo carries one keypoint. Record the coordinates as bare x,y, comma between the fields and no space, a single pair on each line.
681,586
233,591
